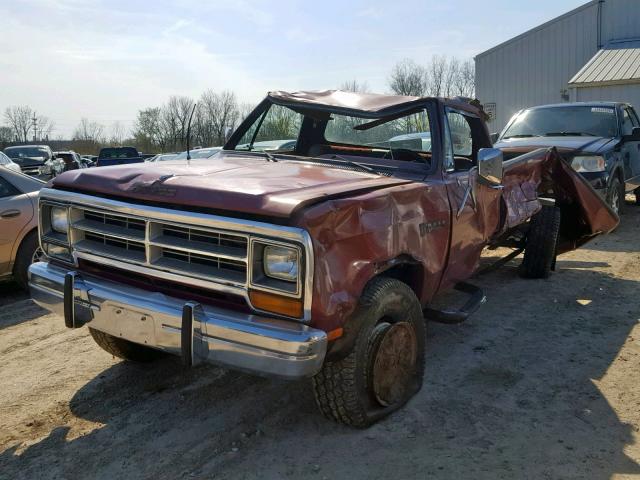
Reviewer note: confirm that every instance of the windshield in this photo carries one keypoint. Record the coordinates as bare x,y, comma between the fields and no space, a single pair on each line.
18,153
410,132
200,153
279,129
564,121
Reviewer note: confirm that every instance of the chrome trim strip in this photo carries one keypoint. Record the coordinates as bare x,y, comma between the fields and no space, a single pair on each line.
257,343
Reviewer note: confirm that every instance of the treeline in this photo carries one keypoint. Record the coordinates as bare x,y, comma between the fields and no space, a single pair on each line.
164,128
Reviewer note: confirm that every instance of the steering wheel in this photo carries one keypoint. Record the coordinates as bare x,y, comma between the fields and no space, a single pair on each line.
395,153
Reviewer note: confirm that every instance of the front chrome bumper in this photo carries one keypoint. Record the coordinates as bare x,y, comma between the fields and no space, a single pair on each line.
196,332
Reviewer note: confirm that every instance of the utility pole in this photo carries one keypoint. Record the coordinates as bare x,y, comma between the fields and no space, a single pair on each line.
35,127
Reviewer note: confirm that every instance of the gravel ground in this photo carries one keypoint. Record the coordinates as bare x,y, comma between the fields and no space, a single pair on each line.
541,383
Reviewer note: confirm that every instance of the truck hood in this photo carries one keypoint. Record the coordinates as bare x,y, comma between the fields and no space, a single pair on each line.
244,184
563,144
27,162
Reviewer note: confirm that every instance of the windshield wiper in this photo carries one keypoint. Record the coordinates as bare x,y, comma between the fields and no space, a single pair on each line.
569,134
267,155
361,166
521,135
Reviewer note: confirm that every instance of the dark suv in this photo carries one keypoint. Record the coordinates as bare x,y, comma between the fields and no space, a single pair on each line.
601,140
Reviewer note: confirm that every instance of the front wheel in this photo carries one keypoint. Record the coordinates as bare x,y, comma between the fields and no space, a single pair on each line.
28,253
384,369
615,196
542,240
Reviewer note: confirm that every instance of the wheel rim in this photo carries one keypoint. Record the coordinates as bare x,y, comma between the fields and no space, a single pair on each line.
615,200
394,365
38,255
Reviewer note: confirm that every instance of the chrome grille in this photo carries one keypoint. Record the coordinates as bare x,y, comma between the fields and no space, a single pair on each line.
204,253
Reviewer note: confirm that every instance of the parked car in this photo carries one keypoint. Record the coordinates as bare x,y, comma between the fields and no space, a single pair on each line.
31,158
601,140
109,156
51,168
162,157
321,262
273,145
89,160
71,160
19,245
6,162
198,153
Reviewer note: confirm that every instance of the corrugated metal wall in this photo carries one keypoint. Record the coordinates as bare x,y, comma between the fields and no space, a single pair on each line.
620,20
534,68
619,93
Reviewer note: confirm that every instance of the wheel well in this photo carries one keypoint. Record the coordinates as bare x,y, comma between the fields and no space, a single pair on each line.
407,271
19,246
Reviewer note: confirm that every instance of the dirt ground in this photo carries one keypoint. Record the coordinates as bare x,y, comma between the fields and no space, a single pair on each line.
541,383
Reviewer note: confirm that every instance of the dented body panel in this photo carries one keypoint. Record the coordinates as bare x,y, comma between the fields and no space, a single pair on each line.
427,227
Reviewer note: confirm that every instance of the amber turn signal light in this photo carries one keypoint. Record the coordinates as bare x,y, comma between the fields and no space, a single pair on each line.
271,302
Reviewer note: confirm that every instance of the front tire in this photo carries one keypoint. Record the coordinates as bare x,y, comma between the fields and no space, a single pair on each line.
28,253
615,196
121,348
385,367
542,241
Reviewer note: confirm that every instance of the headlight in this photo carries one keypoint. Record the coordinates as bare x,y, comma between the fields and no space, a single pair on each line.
281,262
588,163
59,220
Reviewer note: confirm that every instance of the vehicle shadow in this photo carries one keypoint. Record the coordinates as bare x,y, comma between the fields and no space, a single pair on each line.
512,393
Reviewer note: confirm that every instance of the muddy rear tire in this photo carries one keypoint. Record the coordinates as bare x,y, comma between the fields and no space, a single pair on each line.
542,241
121,348
385,367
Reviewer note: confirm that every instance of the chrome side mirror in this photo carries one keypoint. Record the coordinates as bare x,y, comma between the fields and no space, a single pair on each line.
490,165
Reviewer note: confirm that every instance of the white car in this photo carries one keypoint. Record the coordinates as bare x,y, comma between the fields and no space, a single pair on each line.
6,162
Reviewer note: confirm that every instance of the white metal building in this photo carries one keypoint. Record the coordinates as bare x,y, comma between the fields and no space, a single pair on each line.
590,53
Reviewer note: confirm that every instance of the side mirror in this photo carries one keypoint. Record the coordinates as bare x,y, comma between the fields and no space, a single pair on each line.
634,137
494,137
490,165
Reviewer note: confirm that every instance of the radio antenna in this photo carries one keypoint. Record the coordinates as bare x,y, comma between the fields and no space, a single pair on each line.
189,131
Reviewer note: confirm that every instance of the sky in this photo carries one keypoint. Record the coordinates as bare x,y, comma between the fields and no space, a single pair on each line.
105,60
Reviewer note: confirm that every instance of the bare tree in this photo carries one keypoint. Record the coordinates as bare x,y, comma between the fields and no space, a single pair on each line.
436,72
408,78
88,131
19,119
45,127
175,116
117,133
354,86
217,115
147,130
6,135
465,80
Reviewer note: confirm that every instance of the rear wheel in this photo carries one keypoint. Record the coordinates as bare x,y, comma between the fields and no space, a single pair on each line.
637,193
121,348
384,369
542,240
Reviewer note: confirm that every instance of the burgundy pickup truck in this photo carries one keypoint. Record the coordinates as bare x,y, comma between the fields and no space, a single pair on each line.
317,260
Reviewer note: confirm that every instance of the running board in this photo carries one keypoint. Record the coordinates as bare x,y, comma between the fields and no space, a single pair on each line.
476,299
